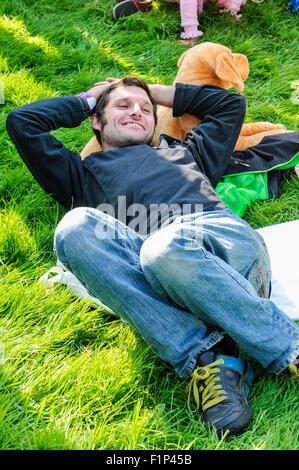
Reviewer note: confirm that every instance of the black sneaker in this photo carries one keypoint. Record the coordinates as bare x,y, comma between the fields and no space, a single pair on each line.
222,383
129,7
125,8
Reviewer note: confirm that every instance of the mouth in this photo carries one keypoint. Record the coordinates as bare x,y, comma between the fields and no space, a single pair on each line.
133,125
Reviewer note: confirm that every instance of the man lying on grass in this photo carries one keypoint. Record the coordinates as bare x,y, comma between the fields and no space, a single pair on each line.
187,273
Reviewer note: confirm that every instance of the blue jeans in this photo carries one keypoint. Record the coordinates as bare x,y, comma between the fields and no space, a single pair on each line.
184,286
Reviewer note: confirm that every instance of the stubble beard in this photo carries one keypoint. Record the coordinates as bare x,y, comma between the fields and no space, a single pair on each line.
116,141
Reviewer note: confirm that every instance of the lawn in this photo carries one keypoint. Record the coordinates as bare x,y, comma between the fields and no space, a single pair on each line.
72,376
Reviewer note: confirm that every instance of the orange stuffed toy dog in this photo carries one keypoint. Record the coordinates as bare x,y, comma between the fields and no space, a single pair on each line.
212,64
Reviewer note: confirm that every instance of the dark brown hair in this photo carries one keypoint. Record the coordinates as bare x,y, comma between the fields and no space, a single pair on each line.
128,80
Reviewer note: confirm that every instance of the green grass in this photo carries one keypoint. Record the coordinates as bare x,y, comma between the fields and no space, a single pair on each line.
73,377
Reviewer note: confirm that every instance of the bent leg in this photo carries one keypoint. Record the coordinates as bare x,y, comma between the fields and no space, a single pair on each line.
103,254
214,265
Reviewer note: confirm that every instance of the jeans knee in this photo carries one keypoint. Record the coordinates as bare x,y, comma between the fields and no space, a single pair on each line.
70,225
157,257
151,254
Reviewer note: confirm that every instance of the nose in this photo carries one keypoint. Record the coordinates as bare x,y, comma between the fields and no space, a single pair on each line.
136,110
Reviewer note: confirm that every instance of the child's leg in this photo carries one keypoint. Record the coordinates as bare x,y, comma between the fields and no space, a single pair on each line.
188,10
200,5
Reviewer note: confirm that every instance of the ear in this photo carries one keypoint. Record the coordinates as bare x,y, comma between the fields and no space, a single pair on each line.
96,123
241,63
228,72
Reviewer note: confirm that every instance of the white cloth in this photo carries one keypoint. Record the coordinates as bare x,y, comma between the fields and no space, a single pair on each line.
282,241
62,276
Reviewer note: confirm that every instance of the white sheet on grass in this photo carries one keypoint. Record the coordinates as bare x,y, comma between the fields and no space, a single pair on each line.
282,241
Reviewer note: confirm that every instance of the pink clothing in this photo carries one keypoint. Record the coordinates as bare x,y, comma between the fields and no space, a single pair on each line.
189,21
234,6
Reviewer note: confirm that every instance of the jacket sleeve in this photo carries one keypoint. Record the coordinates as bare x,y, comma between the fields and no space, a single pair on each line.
213,140
58,170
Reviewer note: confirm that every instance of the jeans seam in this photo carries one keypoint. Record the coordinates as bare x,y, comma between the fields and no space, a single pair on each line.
285,363
292,330
210,257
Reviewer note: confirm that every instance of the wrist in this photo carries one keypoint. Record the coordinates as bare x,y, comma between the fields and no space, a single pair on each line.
162,94
91,100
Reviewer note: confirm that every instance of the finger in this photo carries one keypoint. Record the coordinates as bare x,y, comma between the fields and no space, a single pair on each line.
108,79
100,83
111,79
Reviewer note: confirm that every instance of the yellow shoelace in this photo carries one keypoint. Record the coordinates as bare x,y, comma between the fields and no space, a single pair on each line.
294,370
211,393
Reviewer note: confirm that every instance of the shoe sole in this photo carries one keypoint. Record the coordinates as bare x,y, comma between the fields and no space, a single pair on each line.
125,8
234,428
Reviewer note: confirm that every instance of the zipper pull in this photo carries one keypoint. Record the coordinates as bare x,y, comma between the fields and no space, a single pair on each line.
237,162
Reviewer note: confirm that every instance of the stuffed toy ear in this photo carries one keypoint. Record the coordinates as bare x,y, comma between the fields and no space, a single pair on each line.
241,63
228,72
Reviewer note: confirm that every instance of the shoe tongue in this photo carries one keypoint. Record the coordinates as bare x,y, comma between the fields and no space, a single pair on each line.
206,358
215,352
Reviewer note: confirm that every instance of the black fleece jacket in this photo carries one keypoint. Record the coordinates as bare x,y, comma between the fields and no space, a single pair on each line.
180,175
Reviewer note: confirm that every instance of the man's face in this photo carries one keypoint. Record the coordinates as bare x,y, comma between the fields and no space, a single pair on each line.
128,118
